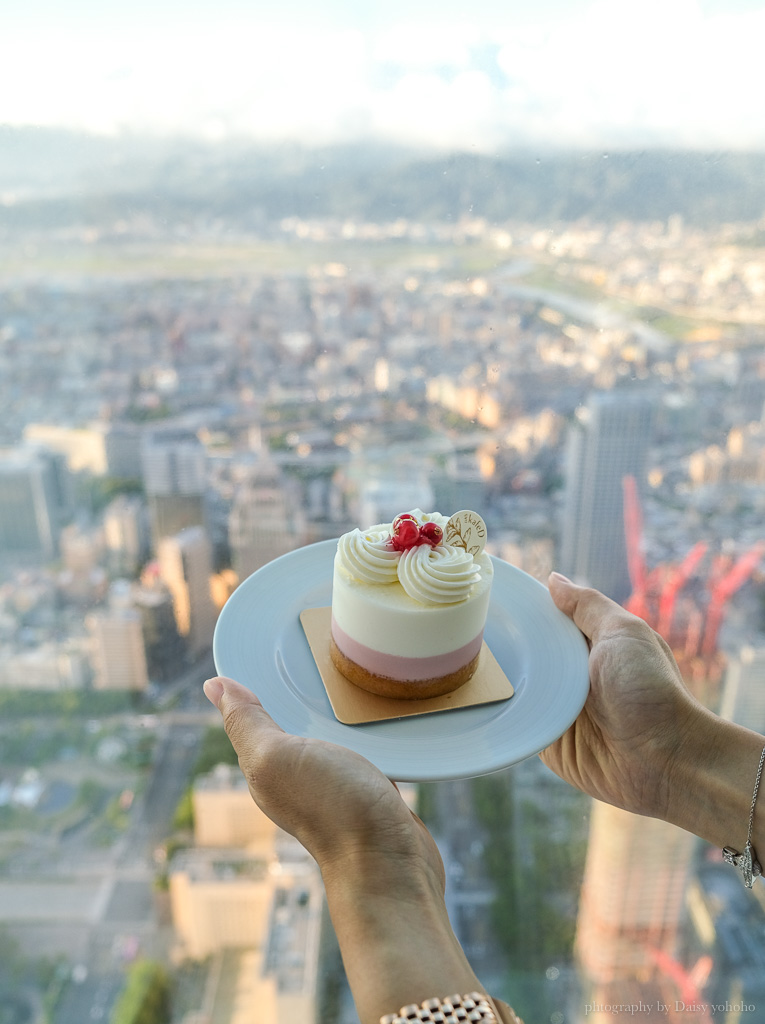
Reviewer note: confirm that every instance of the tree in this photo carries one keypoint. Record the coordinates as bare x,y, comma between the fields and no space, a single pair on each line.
145,998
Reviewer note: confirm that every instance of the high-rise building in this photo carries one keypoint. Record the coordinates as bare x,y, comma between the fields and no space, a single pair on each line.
80,550
609,441
174,462
82,447
35,502
118,652
381,497
632,900
461,483
220,900
724,940
101,449
83,579
126,534
185,564
174,476
269,910
50,665
123,450
226,815
165,647
260,906
266,520
743,694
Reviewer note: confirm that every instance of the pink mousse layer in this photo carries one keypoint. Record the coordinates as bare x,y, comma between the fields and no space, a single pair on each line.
393,666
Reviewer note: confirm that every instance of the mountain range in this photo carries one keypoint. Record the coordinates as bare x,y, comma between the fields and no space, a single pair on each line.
51,178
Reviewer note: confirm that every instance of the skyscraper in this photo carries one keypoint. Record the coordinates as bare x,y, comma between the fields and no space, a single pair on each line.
82,447
126,534
185,564
743,695
123,450
35,502
118,650
266,520
633,895
101,449
382,496
609,441
635,876
226,815
165,648
174,476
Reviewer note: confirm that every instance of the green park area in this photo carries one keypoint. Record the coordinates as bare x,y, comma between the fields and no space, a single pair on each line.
205,259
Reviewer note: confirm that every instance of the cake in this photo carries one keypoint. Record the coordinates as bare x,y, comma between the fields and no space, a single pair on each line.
409,604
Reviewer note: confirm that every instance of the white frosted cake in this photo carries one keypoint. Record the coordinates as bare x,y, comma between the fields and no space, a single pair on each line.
409,605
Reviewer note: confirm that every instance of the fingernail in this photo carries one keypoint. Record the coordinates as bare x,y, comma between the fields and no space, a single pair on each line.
560,576
213,689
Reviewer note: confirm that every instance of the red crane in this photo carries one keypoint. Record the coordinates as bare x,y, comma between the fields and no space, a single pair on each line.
664,581
689,982
722,589
654,593
693,632
633,537
675,580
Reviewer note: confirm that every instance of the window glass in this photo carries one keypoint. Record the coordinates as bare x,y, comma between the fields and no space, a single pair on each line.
269,276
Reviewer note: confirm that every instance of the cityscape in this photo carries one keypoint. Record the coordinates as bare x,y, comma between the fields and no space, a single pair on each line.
189,394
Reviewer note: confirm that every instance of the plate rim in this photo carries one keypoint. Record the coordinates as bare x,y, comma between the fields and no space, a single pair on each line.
569,633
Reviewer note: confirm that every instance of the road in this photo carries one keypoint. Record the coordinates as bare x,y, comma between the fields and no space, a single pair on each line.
601,314
469,890
125,921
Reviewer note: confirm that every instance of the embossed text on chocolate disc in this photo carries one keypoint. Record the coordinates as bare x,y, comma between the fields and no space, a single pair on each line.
466,530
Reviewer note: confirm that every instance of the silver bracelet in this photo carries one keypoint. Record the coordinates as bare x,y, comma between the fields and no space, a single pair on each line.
747,862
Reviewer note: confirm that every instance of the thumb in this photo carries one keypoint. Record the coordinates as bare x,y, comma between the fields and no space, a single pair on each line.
245,719
596,615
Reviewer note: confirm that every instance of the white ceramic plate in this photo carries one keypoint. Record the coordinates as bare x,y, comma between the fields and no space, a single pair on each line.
259,641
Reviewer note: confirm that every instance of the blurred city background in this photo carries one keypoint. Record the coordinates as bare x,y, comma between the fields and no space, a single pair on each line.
218,347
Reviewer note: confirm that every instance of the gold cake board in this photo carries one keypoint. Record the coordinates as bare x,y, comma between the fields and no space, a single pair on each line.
354,706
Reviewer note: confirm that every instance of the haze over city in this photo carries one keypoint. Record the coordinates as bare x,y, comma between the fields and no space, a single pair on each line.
583,72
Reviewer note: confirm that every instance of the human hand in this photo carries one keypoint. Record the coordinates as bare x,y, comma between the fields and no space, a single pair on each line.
383,875
343,810
630,738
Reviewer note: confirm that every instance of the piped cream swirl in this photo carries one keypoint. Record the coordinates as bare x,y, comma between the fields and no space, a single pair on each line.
368,556
439,575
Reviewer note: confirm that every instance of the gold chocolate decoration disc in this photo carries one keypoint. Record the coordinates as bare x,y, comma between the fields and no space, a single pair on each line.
466,530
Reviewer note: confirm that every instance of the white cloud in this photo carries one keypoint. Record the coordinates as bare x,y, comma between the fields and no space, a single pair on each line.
660,70
458,113
617,73
423,46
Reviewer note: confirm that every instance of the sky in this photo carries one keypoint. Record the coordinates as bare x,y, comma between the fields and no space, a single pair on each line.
482,75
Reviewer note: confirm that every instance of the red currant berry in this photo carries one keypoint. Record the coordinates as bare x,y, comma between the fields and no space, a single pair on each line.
404,532
406,535
431,533
405,517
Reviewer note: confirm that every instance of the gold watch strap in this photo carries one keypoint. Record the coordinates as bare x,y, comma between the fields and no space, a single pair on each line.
473,1008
